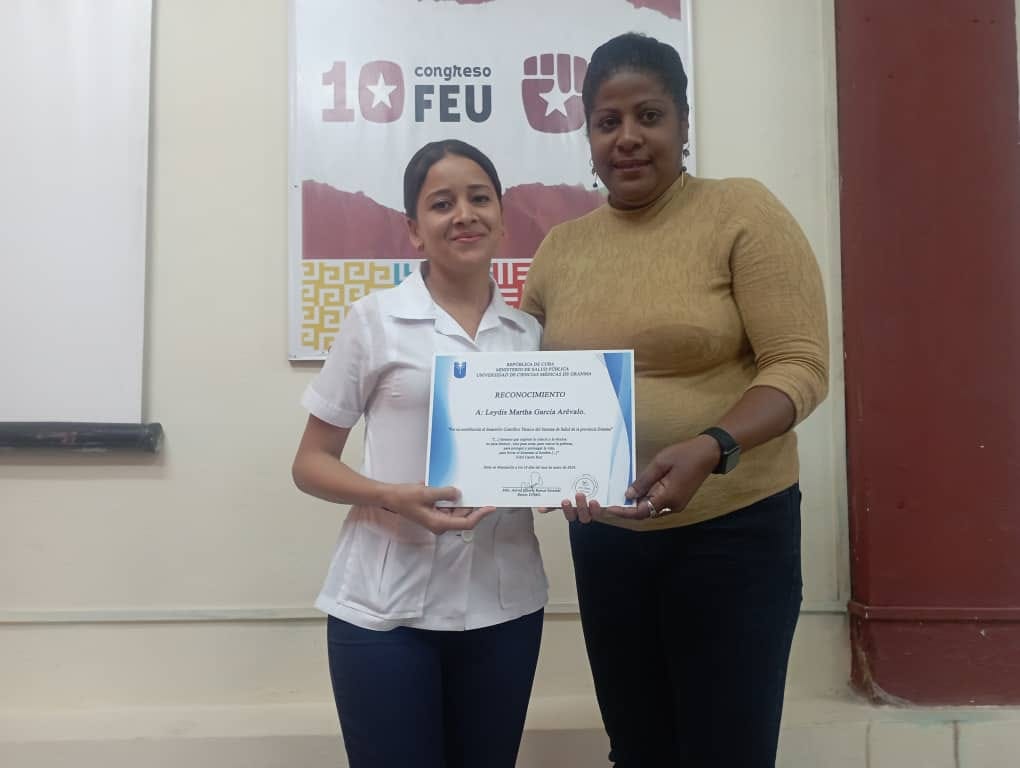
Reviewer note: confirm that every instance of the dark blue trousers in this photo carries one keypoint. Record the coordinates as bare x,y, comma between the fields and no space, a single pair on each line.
413,698
688,632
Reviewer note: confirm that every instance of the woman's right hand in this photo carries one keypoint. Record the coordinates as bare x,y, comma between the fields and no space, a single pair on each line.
318,470
417,502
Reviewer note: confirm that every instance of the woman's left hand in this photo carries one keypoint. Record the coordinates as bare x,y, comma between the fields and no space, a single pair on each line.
672,478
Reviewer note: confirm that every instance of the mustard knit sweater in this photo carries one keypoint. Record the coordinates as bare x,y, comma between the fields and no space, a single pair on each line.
715,288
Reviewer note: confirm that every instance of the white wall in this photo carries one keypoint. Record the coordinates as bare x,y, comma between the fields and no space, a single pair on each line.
111,568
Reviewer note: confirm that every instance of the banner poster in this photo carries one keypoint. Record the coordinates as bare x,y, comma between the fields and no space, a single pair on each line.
373,80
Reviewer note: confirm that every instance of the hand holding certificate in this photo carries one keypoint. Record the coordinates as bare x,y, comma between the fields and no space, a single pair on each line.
531,429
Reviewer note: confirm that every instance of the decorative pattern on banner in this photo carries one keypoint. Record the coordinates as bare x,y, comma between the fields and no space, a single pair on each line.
509,276
328,288
374,80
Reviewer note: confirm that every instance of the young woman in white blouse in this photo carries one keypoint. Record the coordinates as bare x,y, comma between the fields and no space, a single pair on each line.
435,614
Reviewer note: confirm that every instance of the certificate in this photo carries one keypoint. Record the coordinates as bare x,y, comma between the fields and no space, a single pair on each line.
529,429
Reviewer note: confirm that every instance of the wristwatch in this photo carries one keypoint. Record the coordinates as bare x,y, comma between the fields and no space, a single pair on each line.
729,450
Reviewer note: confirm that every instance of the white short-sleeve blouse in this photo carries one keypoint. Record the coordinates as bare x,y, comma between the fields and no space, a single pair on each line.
387,571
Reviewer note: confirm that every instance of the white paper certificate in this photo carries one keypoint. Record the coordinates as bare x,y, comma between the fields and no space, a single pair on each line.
531,429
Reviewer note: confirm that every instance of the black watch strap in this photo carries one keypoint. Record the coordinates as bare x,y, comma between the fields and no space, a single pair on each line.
729,450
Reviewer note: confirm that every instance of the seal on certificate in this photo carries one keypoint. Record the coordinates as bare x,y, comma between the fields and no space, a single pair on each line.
587,485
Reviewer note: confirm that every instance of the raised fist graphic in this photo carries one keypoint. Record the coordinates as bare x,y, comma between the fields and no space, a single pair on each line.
551,92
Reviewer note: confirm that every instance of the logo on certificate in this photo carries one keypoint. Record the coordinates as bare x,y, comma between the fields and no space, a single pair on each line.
459,369
586,484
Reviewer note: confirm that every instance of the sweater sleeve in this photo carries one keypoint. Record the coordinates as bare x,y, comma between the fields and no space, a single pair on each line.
778,290
533,296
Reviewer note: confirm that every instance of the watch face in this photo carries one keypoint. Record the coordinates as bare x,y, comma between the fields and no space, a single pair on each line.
730,459
729,450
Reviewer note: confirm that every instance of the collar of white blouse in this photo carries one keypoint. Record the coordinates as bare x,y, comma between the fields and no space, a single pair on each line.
412,301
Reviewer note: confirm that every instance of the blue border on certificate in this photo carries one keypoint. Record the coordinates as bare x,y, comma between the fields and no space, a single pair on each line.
620,367
441,447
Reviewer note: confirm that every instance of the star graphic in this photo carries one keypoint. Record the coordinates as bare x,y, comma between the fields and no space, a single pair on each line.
555,101
381,92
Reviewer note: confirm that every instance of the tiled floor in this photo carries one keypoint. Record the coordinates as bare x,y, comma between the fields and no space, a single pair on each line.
839,733
850,734
817,733
896,745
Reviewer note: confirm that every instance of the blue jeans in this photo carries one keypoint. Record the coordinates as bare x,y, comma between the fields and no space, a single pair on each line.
688,632
415,698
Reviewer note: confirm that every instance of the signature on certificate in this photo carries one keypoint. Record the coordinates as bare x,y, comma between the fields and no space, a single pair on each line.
533,483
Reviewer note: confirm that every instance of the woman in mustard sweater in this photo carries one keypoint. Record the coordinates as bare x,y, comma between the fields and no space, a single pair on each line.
688,598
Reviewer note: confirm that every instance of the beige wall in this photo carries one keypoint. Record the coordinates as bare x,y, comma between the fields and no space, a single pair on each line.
111,568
